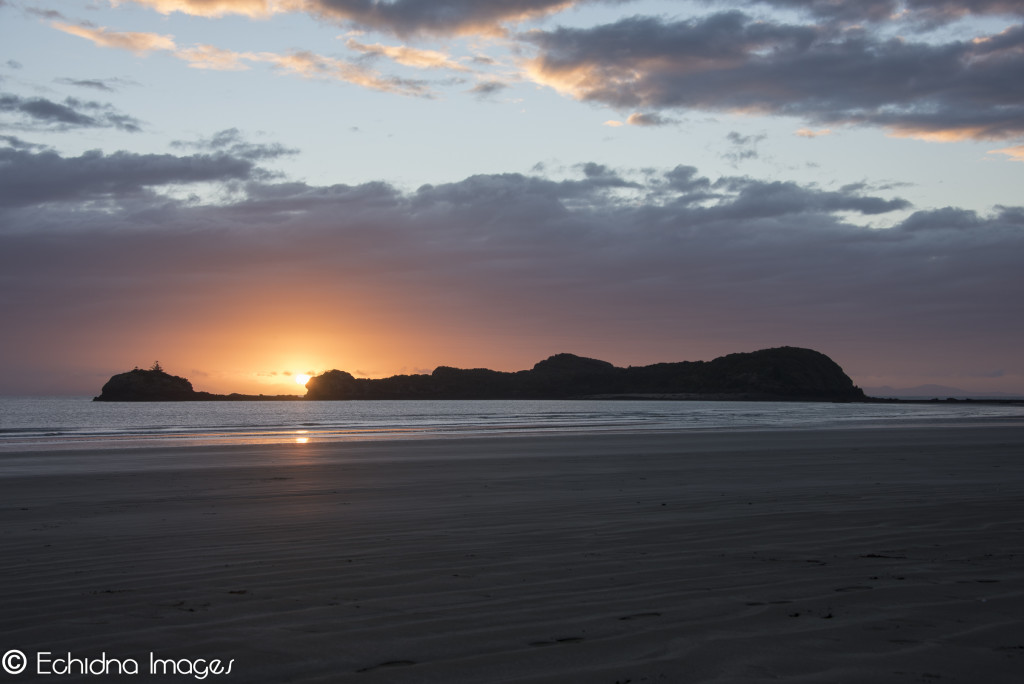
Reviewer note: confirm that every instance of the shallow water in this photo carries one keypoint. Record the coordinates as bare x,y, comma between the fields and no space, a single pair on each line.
51,423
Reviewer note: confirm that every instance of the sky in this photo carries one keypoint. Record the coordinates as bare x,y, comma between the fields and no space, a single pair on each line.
247,190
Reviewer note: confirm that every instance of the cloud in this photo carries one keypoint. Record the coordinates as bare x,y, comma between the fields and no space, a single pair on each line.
139,43
38,178
811,133
214,8
400,17
44,13
19,144
407,56
486,89
1015,153
199,56
311,65
941,11
214,58
632,266
300,62
107,85
649,119
729,62
71,113
925,13
231,141
743,146
437,17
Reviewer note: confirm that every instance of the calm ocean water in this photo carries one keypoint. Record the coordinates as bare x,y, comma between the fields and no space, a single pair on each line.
52,424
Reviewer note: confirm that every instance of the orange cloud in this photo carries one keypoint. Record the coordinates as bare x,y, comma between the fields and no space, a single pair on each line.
214,58
139,43
213,8
575,81
1015,153
401,18
402,54
311,65
303,63
944,135
810,133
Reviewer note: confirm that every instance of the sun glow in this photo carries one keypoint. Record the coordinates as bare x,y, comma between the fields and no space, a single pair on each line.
302,378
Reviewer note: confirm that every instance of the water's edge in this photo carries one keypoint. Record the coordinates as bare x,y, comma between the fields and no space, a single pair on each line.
53,424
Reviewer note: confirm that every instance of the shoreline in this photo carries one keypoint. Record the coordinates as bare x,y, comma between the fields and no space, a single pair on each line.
96,454
883,555
158,425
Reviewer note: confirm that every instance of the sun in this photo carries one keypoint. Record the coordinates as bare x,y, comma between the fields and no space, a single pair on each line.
302,378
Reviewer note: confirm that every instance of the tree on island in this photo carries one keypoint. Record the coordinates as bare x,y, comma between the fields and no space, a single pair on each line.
156,367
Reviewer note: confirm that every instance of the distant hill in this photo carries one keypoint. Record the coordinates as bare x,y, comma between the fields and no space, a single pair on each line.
783,373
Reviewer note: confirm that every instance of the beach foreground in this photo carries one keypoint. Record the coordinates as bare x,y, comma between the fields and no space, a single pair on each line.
877,555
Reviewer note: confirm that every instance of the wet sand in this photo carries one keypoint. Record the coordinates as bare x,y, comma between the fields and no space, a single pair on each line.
879,555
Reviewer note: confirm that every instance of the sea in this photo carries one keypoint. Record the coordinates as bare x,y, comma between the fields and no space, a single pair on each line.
49,424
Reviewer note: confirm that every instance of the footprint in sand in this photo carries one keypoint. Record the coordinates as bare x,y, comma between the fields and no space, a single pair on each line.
637,616
388,663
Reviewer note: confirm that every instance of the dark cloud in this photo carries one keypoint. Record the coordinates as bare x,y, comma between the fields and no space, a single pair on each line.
488,88
49,14
954,9
759,200
72,113
684,181
928,12
442,17
743,146
730,62
838,10
108,85
649,119
19,144
231,141
665,266
602,176
94,84
34,178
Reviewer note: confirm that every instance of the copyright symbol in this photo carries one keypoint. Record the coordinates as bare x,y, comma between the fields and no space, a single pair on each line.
15,662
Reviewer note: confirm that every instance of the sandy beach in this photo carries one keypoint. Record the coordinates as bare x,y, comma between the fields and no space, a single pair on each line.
876,555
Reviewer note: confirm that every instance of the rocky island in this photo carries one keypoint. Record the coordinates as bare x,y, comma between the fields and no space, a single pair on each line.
156,384
779,374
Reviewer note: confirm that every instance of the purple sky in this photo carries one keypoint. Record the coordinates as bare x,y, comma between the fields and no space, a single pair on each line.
247,190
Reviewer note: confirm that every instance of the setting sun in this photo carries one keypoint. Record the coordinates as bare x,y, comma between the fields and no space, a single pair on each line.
302,378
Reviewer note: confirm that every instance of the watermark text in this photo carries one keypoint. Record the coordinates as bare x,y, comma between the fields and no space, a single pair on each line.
15,662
